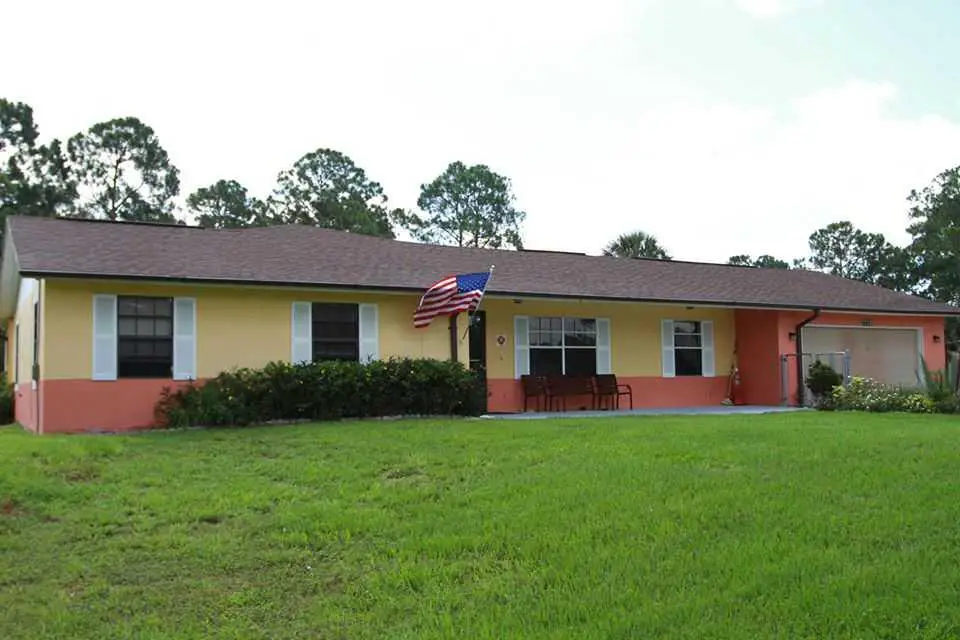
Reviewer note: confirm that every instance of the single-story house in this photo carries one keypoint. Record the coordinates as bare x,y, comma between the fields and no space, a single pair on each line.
100,317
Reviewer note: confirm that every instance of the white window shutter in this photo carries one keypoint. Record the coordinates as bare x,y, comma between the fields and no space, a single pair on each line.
301,331
706,329
104,337
369,332
603,346
184,339
521,342
668,364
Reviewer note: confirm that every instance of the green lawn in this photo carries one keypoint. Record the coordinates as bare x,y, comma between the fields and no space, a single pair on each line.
783,526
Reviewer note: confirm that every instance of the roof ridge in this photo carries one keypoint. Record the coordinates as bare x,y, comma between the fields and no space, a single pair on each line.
140,223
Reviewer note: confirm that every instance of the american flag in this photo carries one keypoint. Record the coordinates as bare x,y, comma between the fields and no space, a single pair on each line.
450,296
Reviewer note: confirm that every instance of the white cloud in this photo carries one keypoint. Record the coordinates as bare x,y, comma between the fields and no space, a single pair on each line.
595,139
716,181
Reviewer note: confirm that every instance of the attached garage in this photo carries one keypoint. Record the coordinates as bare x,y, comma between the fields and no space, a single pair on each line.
890,355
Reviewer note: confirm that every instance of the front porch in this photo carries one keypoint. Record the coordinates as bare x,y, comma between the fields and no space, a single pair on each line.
620,413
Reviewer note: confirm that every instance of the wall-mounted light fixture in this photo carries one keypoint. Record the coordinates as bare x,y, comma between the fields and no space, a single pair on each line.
936,339
792,335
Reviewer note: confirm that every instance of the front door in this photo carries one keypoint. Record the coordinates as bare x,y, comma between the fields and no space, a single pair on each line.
478,349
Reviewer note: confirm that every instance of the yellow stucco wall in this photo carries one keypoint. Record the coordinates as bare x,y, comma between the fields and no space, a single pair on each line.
249,326
236,326
30,292
635,342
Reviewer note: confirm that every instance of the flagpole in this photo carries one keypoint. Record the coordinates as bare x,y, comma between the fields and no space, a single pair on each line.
473,313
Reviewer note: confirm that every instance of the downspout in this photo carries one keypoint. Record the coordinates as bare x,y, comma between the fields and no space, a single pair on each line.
798,331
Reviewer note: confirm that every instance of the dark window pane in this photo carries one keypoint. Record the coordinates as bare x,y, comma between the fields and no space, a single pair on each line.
686,340
335,351
145,343
581,339
581,362
685,326
127,326
546,362
335,312
546,338
163,327
336,331
126,348
143,369
126,306
688,362
144,326
580,325
580,332
164,349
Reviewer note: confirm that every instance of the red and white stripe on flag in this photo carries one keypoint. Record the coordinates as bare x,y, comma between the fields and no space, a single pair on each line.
445,298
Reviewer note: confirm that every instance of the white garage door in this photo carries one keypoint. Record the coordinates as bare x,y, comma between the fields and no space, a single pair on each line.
887,355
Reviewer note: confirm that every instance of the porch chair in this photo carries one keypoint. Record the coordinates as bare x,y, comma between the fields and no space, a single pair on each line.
609,388
534,387
562,387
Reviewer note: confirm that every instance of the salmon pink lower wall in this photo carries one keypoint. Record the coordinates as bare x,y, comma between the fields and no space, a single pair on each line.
506,395
758,357
933,352
71,406
25,406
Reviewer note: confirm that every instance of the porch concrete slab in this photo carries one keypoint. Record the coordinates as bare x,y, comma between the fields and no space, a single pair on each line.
677,411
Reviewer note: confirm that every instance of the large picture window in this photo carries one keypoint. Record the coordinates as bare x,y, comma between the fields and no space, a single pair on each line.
336,331
144,337
688,348
563,346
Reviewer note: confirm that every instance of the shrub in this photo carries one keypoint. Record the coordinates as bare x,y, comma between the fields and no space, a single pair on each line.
866,394
822,379
324,391
942,386
6,401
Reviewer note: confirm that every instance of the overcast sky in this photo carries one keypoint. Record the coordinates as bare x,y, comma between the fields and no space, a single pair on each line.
720,126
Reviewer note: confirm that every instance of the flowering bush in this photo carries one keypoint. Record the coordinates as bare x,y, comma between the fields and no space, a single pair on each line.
866,394
325,391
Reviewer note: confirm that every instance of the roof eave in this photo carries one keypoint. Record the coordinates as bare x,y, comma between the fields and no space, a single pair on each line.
10,276
490,294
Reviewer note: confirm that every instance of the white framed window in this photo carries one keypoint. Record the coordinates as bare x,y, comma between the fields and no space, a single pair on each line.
556,345
687,348
334,331
144,337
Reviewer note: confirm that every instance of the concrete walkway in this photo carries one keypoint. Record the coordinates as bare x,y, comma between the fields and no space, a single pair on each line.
678,411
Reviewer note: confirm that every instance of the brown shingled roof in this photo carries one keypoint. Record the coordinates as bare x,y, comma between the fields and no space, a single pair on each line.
295,255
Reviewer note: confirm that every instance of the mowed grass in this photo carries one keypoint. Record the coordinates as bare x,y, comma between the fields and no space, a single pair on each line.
781,526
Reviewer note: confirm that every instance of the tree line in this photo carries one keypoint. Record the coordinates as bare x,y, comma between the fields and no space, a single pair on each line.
929,265
118,170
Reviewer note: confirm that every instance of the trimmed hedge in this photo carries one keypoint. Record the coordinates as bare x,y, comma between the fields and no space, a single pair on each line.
282,391
6,401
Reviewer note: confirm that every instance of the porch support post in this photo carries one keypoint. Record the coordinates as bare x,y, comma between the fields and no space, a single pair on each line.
453,339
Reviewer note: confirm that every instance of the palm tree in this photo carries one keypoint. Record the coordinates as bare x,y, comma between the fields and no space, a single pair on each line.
636,245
